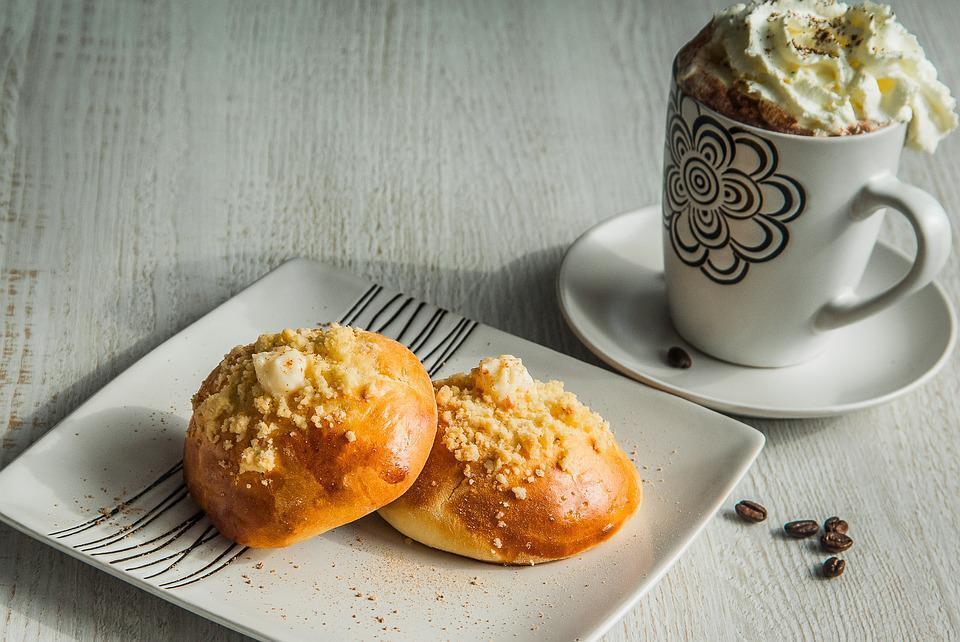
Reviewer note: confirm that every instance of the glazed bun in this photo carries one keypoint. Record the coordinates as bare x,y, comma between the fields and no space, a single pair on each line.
306,430
521,472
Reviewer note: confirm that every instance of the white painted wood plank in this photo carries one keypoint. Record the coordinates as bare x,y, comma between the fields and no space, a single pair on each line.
157,157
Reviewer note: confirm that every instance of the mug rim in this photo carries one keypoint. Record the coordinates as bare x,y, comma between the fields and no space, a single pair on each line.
889,128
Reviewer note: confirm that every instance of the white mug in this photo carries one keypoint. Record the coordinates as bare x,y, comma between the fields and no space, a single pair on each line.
766,235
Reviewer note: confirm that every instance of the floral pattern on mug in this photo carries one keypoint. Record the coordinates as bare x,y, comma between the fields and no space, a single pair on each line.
725,205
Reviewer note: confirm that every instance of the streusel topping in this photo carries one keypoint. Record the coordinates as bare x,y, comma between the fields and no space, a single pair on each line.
292,380
502,423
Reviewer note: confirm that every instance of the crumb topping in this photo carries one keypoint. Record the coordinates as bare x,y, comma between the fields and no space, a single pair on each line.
505,425
297,379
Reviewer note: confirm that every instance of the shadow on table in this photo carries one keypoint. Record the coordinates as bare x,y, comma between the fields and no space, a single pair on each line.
519,297
207,290
39,580
780,431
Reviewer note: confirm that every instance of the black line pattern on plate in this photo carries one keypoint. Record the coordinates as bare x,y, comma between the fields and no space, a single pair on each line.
461,338
208,534
406,326
177,532
346,315
204,538
435,335
383,309
352,319
393,317
218,568
99,520
427,331
182,581
178,495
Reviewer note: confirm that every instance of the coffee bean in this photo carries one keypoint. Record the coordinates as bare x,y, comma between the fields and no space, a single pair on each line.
677,357
835,542
801,528
833,567
836,525
751,511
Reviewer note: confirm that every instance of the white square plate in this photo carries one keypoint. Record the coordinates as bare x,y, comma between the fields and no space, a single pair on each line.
105,487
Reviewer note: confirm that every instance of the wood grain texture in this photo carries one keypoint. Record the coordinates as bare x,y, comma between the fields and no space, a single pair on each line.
156,157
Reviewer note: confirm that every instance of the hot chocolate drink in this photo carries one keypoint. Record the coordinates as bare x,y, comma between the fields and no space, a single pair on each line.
772,204
817,67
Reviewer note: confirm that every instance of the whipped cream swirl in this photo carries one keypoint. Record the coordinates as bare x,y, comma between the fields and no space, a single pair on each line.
832,67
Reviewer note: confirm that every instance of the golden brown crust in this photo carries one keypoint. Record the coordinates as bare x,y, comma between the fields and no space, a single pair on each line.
323,475
577,500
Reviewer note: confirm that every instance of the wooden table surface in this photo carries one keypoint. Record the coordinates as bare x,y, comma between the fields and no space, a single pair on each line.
156,157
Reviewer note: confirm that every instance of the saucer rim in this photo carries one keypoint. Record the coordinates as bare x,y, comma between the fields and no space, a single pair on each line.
745,410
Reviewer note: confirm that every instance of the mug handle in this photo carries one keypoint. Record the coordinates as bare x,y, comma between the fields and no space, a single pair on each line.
930,224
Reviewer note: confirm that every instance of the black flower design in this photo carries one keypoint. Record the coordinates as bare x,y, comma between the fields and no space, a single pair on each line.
724,204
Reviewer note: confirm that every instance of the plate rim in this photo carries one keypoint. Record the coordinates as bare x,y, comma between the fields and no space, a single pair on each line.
757,442
753,439
173,598
759,411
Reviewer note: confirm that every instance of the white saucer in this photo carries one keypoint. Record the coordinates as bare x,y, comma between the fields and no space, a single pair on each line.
612,295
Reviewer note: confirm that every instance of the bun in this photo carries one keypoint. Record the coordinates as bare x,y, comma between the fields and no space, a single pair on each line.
306,430
521,472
